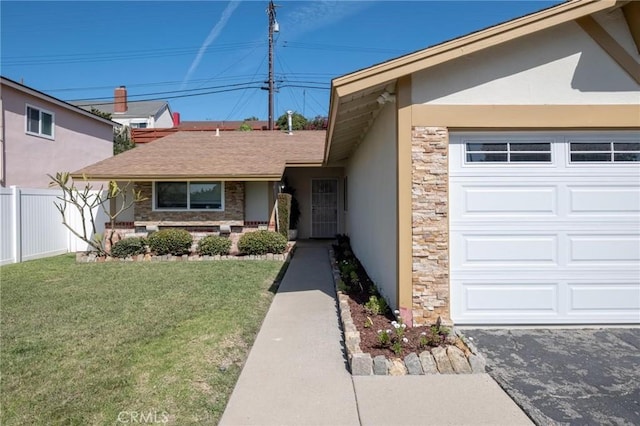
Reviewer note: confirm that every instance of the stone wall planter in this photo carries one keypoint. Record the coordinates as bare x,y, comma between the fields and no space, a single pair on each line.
440,360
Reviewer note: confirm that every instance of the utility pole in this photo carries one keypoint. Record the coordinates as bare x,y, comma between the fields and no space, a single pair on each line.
273,27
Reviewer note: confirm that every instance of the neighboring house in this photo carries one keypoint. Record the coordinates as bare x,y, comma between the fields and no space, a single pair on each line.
135,114
43,135
491,179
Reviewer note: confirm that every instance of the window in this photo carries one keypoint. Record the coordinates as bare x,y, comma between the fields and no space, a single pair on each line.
508,152
138,125
39,122
604,152
189,196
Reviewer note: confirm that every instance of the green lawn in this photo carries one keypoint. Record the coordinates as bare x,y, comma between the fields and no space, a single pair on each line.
87,343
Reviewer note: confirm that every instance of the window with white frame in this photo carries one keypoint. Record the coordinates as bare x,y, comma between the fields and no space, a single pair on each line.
40,122
604,152
189,196
508,152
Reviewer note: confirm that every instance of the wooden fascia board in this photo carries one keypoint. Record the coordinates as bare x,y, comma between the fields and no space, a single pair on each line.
611,46
493,36
527,116
333,112
631,12
165,178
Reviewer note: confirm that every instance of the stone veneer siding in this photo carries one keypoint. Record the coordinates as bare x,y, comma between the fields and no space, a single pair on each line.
430,224
233,207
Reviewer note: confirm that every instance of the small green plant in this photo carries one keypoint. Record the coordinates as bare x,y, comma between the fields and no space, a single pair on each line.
214,245
384,337
262,242
131,246
430,339
170,241
343,287
368,323
376,305
346,268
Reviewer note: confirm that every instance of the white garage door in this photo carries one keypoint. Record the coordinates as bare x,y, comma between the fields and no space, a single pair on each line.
545,228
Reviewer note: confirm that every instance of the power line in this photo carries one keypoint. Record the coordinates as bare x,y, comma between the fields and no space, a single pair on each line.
170,91
180,96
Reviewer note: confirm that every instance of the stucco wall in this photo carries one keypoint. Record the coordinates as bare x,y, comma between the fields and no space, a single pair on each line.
561,65
256,203
372,203
300,179
78,142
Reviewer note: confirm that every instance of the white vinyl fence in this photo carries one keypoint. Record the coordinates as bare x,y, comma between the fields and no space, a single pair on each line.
31,225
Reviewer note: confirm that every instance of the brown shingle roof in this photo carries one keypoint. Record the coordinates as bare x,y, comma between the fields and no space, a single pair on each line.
203,155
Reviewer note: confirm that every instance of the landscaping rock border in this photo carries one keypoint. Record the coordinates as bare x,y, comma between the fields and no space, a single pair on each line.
440,360
84,257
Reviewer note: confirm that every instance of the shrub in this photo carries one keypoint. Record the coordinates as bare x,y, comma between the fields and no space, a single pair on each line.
213,245
376,305
170,241
284,207
129,247
262,242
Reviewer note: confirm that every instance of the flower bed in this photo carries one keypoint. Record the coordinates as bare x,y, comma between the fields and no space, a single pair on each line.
377,340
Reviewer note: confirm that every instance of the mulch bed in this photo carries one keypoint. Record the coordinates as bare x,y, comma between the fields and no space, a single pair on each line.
369,325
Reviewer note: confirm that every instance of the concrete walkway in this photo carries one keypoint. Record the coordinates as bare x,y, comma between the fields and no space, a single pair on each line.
297,374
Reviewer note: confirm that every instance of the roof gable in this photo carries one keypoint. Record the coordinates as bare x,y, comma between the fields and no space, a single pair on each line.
355,98
41,95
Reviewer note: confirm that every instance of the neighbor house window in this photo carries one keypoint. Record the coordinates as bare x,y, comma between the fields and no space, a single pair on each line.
604,152
138,125
189,195
508,152
39,122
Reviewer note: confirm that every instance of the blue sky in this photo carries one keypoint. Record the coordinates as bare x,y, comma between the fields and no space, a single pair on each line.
210,58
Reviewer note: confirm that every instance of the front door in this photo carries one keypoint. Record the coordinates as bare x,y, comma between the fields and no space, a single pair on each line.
324,208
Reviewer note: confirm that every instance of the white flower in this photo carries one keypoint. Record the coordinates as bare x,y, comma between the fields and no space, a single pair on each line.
388,331
379,331
424,333
397,312
396,325
404,325
405,340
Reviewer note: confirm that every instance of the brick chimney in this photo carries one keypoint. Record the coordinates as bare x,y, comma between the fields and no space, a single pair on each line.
120,100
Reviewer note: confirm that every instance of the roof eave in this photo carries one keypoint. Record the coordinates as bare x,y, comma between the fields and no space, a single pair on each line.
97,177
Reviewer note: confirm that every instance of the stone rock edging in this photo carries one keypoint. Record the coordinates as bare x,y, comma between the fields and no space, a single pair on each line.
82,257
440,360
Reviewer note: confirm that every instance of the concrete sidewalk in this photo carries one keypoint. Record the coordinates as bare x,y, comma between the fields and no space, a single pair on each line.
297,374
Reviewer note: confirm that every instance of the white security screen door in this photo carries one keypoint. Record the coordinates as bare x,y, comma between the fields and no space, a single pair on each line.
324,208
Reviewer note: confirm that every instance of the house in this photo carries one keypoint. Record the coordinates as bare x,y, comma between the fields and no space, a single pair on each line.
135,114
490,179
495,178
234,175
41,135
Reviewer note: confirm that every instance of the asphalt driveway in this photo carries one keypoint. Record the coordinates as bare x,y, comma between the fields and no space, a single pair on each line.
567,376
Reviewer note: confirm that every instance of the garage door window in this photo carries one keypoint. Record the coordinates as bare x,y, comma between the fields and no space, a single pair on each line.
604,152
508,152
